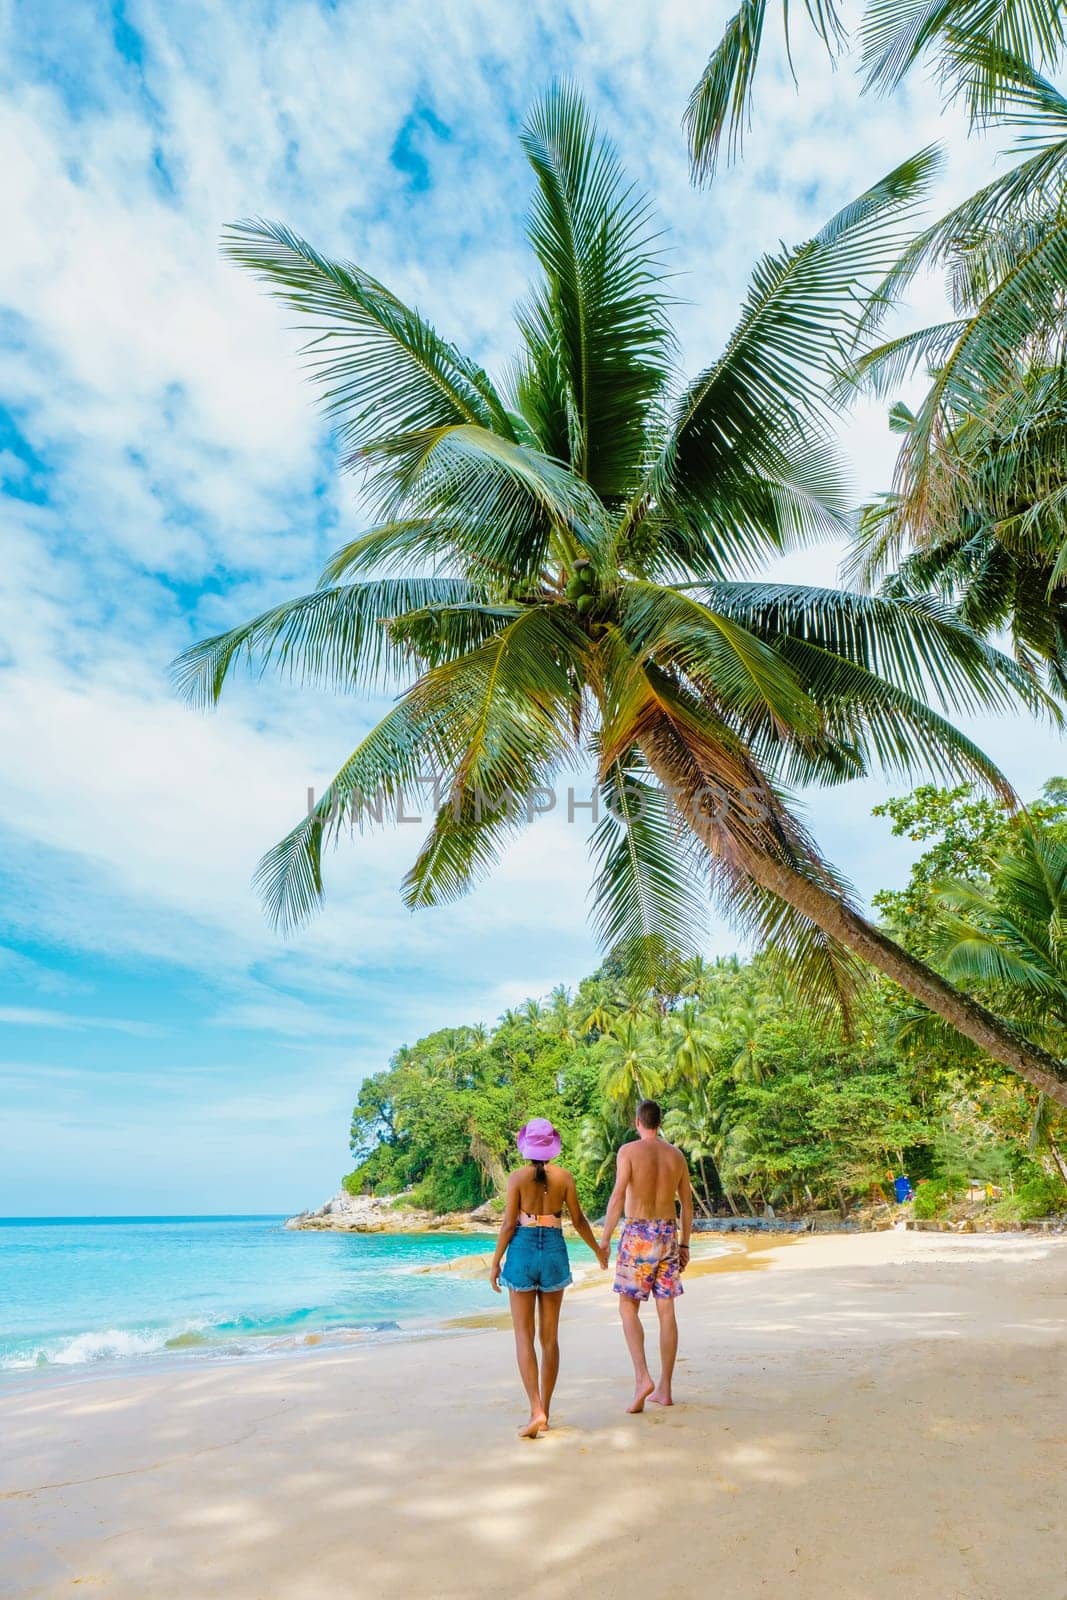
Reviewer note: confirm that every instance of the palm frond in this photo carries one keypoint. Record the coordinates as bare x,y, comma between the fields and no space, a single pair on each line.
338,637
978,43
601,311
788,492
721,102
913,643
1031,189
767,393
511,703
646,888
402,752
731,665
883,725
501,506
382,369
476,823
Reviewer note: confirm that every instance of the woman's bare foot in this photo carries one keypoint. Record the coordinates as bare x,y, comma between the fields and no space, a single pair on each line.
537,1422
660,1397
641,1394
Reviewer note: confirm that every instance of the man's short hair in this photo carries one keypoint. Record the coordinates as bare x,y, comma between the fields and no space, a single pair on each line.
649,1114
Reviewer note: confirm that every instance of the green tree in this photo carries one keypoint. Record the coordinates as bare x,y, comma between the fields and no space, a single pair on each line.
573,548
1008,936
977,514
971,45
984,901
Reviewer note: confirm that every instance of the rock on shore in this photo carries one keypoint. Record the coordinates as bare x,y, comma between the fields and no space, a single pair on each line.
369,1213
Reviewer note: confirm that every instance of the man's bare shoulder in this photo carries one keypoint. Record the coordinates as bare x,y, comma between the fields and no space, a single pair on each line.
676,1154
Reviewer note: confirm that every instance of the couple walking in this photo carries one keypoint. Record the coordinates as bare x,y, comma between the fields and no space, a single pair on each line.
531,1256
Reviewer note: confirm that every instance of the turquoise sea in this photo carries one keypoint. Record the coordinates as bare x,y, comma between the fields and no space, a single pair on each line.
85,1294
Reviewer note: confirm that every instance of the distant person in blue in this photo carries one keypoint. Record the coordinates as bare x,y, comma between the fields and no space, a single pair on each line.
901,1187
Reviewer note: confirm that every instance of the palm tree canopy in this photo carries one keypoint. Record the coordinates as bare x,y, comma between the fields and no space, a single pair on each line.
1008,935
561,567
970,43
978,509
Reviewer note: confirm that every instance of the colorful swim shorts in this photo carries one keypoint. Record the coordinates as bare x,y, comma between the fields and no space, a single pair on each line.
647,1262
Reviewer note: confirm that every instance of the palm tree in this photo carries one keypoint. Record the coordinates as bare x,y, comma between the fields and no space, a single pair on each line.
630,1070
690,1045
1008,937
692,1123
742,1024
969,42
560,1013
599,1136
575,551
978,510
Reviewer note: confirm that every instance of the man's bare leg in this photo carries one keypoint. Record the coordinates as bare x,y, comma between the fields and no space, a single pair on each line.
548,1310
522,1319
635,1343
668,1350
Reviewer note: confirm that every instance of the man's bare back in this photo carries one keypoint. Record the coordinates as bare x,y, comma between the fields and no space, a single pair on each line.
654,1171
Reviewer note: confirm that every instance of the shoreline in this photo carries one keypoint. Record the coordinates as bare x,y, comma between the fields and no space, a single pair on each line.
714,1252
386,1214
858,1416
180,1358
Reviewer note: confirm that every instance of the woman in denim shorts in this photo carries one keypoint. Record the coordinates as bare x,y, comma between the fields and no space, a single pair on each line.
531,1261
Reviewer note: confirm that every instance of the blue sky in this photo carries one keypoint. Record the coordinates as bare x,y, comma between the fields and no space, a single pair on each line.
165,474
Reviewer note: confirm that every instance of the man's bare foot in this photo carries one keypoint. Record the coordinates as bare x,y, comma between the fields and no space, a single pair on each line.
659,1398
537,1421
641,1394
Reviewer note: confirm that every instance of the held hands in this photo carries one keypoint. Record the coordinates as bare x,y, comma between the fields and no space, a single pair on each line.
603,1255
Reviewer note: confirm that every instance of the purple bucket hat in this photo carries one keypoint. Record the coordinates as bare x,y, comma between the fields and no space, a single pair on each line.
538,1140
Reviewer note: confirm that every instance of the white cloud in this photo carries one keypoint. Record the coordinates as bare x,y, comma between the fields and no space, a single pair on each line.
38,1017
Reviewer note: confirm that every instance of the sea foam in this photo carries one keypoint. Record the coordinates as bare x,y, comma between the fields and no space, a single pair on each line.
109,1344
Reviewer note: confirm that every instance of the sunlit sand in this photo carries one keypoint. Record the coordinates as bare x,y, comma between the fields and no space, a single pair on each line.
855,1416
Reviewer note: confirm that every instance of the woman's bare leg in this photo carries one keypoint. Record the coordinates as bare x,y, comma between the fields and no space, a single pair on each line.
548,1310
522,1320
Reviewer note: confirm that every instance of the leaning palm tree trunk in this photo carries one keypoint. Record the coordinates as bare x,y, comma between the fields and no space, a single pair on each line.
843,924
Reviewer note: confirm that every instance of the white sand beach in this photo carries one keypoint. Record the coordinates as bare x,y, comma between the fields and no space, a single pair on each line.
860,1418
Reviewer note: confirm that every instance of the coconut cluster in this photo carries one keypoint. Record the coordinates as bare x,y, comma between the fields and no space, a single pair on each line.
581,584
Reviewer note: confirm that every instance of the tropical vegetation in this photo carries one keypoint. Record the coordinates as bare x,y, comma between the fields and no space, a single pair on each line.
562,567
971,46
977,512
770,1103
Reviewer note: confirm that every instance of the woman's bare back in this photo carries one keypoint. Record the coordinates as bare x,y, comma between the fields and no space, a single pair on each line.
543,1199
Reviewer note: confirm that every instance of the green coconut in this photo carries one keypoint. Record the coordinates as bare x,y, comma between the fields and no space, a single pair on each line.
585,603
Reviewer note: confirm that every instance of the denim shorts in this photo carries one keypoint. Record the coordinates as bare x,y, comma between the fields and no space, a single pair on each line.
536,1259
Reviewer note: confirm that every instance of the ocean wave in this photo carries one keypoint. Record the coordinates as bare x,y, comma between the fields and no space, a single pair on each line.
108,1344
234,1336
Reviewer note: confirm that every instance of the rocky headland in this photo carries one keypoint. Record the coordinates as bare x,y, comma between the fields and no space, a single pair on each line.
369,1213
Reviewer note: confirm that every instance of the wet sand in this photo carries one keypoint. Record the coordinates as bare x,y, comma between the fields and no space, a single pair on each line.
860,1417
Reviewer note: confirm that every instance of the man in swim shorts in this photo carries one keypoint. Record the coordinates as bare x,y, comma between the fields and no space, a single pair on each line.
651,1181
